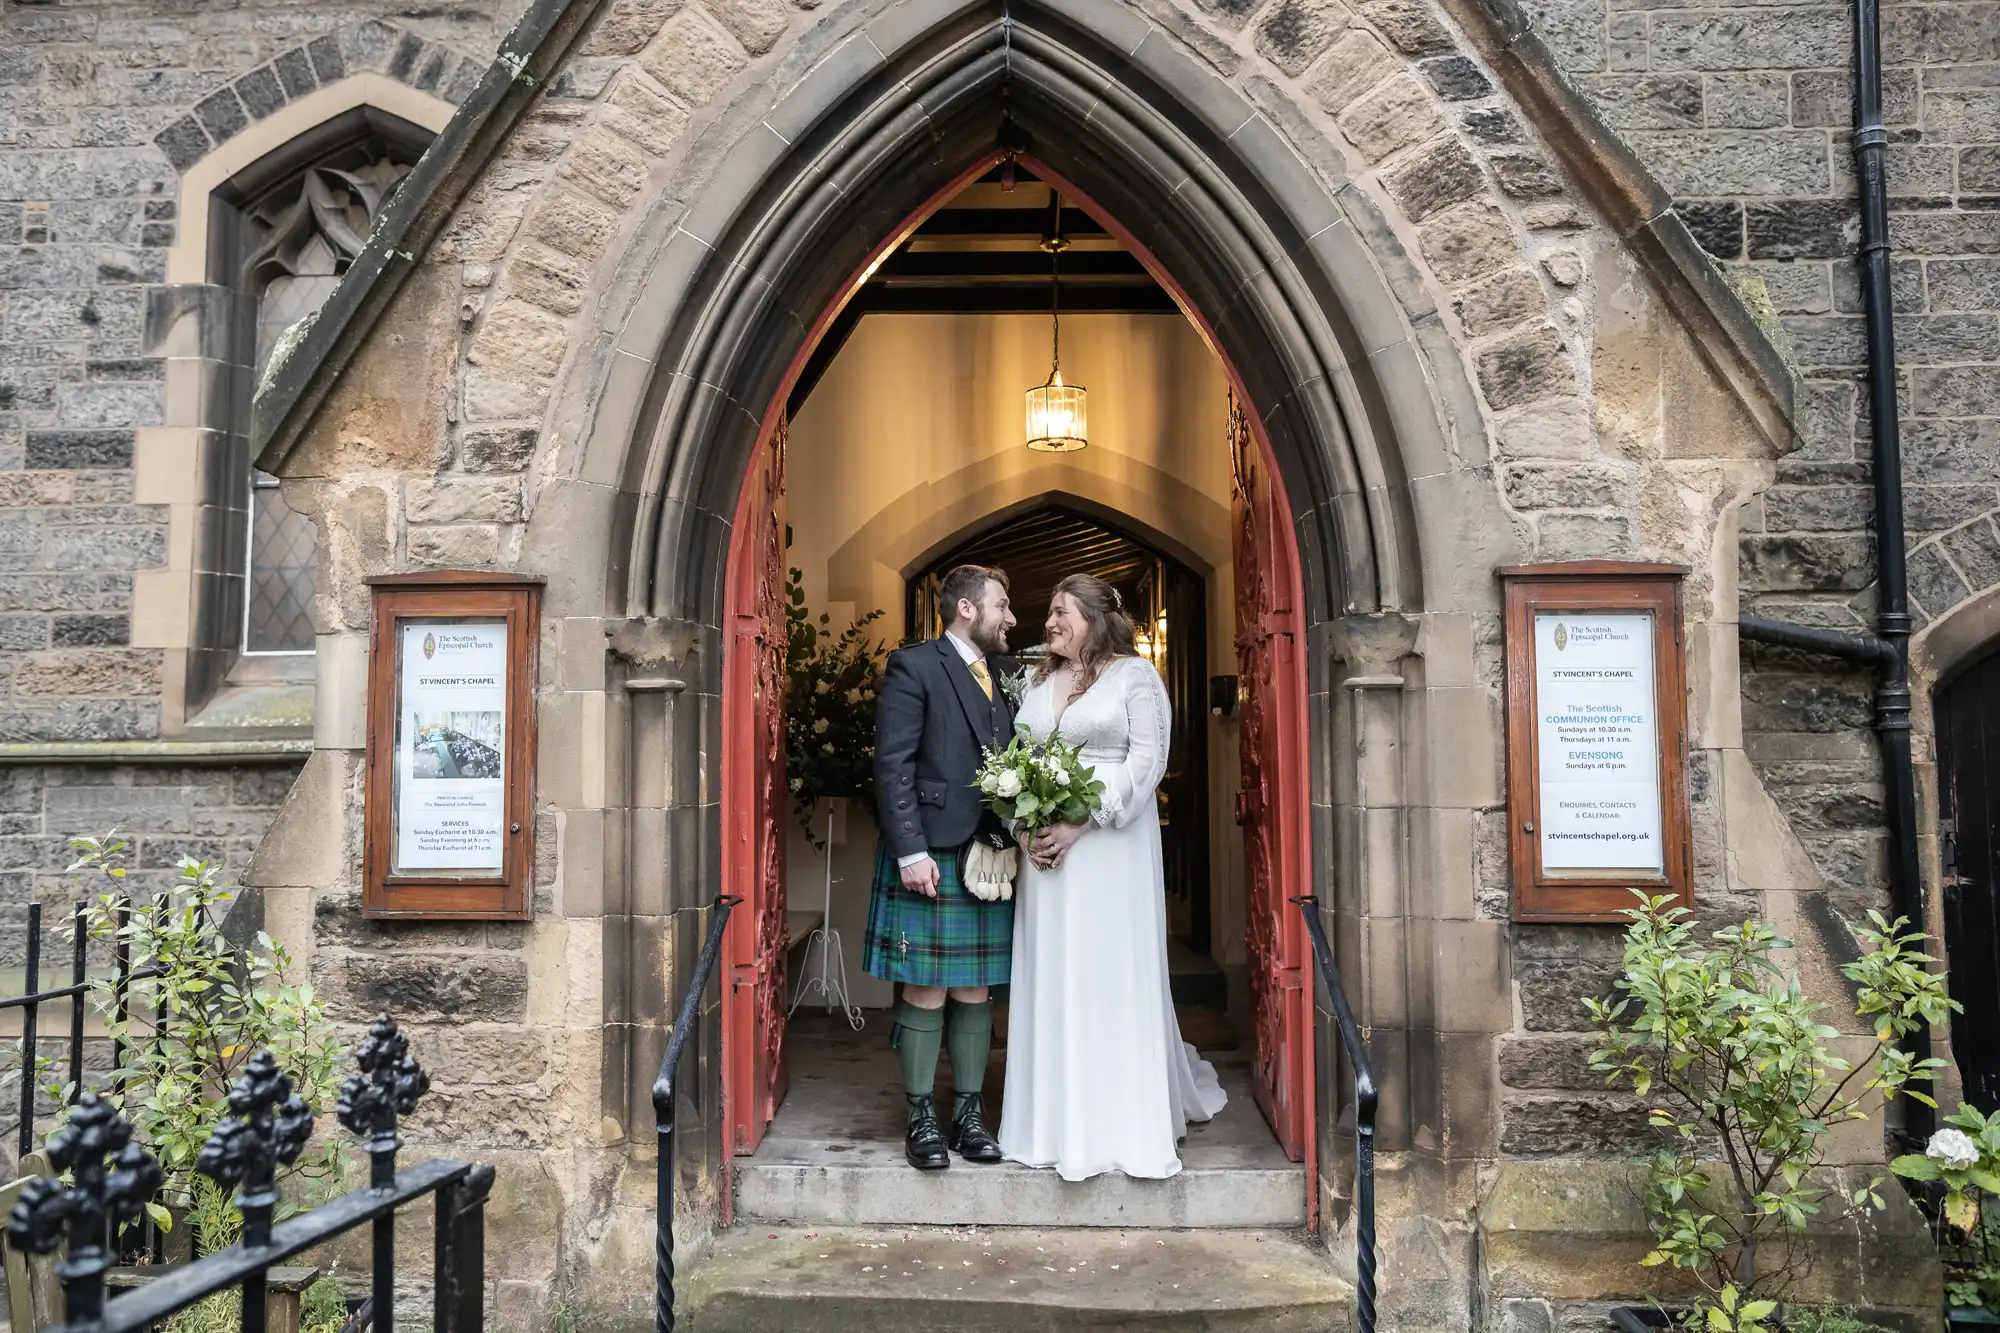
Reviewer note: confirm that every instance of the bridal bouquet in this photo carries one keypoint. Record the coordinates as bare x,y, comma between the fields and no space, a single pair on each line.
1034,785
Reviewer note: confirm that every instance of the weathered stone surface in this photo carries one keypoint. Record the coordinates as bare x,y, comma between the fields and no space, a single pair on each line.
1566,486
108,671
693,57
490,501
1561,1063
645,117
432,987
548,279
1501,302
1434,178
1390,119
607,166
1552,994
628,25
573,223
1524,368
497,449
1355,63
1795,562
469,546
1409,25
1597,1126
1455,78
1291,34
1468,241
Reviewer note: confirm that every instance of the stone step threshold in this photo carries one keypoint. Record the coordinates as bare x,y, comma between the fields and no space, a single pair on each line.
985,1280
871,1185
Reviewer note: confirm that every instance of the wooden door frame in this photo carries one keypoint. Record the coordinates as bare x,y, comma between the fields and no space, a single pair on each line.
1295,795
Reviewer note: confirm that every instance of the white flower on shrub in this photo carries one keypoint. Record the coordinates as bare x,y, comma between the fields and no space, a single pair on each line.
1008,785
1953,1149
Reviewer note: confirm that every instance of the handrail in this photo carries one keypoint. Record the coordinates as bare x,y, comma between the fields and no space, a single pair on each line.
663,1115
1364,1115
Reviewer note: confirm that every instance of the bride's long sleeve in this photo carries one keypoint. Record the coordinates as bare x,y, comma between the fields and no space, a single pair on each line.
1149,722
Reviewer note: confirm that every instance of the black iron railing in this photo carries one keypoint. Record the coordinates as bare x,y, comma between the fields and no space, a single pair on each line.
113,1176
78,995
663,1114
1364,1116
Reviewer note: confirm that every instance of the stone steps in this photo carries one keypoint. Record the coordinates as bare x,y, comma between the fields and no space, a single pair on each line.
983,1280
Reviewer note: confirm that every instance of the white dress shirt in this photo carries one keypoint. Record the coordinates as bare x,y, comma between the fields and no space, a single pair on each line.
970,655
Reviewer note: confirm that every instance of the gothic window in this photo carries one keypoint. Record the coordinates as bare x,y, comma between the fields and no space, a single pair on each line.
313,229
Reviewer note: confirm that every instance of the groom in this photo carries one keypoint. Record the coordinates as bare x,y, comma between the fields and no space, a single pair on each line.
940,705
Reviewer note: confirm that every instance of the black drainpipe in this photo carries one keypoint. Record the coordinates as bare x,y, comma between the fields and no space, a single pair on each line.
1888,648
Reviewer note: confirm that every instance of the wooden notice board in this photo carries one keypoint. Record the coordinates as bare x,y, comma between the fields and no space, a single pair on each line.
450,814
1597,795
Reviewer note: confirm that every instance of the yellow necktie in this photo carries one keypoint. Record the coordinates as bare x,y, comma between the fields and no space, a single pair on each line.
983,676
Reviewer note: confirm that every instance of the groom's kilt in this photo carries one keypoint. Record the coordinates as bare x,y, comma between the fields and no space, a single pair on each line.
953,939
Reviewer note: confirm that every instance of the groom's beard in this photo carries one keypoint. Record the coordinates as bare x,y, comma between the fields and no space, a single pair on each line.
987,635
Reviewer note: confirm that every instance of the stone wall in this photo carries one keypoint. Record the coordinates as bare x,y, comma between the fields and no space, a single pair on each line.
1744,113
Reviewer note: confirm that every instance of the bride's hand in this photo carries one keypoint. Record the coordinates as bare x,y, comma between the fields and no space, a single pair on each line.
1053,843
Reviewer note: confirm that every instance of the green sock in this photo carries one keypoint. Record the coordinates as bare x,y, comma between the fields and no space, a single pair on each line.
919,1033
970,1037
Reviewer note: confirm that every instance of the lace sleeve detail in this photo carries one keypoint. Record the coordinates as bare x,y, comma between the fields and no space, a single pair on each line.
1149,729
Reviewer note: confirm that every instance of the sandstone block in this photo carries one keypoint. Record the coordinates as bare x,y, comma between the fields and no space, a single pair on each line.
486,501
1566,486
1737,162
1355,63
693,57
573,223
1524,368
23,489
1465,242
1501,302
1596,1126
467,546
1434,178
1561,1063
607,166
549,279
1585,537
1800,561
755,23
96,671
1410,26
645,117
415,988
1552,994
497,448
525,341
1391,119
628,26
1292,33
1526,175
481,1057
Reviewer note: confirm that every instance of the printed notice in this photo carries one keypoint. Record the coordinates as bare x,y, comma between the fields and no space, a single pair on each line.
1598,737
451,746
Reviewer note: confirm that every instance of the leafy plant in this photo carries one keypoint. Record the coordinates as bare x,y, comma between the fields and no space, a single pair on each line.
189,1031
1039,785
1746,1086
1964,1157
830,685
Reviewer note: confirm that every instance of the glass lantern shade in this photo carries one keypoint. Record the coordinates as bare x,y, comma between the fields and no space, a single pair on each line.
1058,416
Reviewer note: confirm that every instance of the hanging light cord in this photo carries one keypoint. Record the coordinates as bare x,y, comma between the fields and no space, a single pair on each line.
1055,292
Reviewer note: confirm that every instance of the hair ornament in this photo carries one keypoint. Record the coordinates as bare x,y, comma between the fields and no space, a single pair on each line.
1117,600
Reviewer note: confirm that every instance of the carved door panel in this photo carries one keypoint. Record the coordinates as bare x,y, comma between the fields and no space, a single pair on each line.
753,804
1271,804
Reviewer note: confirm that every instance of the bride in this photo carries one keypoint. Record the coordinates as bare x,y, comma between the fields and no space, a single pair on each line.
1098,1078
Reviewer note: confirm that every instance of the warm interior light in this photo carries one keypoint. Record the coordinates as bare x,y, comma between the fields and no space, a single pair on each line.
1058,413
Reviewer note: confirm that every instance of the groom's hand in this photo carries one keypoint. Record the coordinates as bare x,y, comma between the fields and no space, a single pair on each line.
921,877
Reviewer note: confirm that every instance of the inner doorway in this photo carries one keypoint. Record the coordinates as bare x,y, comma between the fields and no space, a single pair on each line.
1967,713
901,436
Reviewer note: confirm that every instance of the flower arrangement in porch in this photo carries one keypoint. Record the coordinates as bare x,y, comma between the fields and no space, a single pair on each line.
1745,1085
830,685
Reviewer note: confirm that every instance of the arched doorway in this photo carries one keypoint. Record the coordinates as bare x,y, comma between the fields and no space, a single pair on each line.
1272,808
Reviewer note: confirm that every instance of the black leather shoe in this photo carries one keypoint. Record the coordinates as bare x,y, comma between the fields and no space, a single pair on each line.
924,1144
969,1138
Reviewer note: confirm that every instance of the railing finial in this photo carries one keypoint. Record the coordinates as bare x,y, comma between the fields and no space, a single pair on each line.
267,1127
112,1178
389,1085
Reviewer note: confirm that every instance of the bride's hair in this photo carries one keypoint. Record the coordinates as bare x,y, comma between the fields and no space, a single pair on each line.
1109,631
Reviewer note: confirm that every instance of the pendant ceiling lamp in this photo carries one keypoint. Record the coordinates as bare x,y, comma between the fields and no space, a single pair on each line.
1058,413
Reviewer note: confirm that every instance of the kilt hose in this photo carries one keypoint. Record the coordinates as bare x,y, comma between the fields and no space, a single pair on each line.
953,939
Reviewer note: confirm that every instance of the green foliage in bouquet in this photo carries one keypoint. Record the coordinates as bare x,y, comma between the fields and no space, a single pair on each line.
1741,1072
1040,784
1964,1157
190,1030
830,685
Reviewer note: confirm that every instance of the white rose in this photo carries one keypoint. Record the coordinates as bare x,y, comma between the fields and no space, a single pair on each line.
1007,785
1953,1149
1062,777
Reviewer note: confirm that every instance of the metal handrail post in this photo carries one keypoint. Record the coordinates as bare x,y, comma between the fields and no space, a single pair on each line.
1365,1100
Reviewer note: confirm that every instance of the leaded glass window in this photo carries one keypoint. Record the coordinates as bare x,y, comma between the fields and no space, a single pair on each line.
310,233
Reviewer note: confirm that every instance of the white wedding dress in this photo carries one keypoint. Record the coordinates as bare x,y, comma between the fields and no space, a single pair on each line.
1098,1078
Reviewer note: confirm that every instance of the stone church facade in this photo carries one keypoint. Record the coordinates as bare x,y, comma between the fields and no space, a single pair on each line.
1460,253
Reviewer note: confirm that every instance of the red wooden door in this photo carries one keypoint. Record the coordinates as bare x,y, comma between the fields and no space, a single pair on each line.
753,803
1271,805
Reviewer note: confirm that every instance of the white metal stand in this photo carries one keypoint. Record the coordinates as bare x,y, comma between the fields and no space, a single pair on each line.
830,980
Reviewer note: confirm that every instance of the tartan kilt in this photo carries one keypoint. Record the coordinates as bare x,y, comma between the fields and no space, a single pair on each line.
951,940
